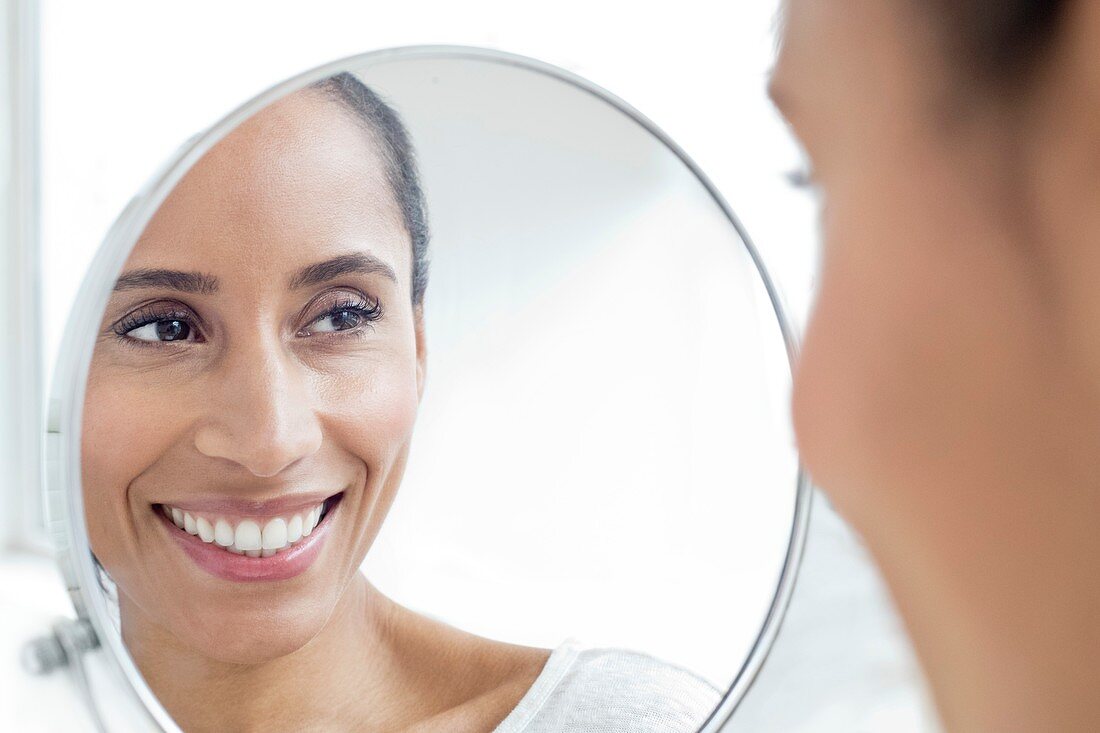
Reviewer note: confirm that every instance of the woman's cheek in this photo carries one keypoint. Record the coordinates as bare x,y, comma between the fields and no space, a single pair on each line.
390,405
120,437
374,404
825,391
110,442
848,372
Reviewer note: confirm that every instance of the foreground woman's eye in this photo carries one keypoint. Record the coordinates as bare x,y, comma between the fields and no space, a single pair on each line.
348,313
162,331
802,178
150,325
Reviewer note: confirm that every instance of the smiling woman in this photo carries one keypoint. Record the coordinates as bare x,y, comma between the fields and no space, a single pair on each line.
249,411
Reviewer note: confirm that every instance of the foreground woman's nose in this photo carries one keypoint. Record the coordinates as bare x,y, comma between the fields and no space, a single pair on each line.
261,415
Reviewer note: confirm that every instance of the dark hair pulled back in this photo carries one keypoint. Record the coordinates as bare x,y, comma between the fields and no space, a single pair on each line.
399,159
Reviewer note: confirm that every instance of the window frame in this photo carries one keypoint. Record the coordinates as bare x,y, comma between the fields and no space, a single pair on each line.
22,396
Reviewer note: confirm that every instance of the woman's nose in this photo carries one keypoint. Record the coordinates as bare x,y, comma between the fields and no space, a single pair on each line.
260,414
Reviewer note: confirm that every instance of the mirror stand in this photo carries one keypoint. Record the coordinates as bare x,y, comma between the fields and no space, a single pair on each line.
65,646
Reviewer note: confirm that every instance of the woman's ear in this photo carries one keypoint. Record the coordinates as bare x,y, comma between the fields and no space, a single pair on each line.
421,350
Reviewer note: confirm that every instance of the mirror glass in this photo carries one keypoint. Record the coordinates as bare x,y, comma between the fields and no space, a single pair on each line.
434,388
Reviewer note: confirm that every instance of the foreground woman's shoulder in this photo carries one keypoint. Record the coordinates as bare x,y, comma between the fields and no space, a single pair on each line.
600,690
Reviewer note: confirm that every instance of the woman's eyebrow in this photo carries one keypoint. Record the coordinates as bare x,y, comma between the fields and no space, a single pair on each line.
355,262
188,282
198,282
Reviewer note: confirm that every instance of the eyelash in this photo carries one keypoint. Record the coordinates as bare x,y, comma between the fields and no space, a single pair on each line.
802,178
150,314
366,309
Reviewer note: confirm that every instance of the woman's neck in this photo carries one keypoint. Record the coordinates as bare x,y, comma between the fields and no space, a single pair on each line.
348,671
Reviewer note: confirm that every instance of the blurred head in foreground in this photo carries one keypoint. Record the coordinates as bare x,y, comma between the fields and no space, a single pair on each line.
948,396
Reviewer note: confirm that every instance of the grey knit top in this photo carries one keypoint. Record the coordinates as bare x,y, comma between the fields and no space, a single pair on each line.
588,690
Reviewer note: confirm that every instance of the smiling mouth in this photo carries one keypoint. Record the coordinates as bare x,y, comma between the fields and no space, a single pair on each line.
250,536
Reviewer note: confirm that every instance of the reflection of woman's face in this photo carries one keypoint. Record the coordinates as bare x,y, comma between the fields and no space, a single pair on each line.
259,369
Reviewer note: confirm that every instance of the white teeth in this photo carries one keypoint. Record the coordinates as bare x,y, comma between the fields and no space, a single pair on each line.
206,532
274,535
223,533
294,529
248,537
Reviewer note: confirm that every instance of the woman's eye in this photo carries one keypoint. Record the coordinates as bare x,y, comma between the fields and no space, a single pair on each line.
802,178
158,323
350,313
341,320
173,329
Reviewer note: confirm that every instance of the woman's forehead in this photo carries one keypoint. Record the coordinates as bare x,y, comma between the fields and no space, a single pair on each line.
847,65
821,37
298,182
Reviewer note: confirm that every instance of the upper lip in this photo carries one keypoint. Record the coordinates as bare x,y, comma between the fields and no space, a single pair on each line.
285,504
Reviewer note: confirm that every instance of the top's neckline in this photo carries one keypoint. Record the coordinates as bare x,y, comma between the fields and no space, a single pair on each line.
558,663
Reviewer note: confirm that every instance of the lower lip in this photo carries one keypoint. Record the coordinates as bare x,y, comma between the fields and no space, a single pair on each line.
218,561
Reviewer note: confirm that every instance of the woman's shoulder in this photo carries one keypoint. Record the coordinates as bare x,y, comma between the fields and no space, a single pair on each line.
608,690
459,680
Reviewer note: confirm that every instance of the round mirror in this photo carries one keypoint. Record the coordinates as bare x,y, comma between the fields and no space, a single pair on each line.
433,389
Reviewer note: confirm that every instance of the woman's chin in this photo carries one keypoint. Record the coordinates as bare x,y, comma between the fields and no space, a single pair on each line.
252,638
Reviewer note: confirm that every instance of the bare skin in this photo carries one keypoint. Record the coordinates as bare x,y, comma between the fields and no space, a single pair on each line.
375,666
269,387
948,396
